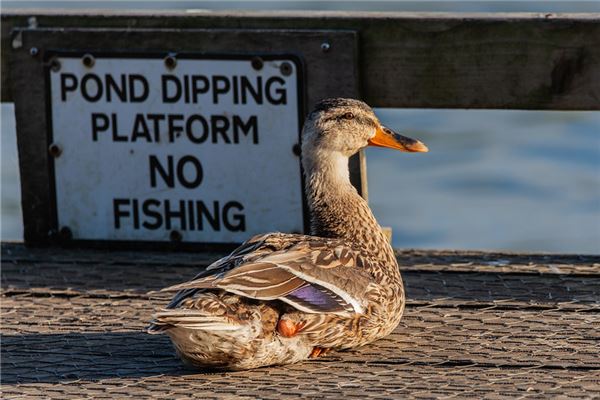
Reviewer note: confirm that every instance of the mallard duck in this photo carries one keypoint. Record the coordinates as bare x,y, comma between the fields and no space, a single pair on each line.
281,298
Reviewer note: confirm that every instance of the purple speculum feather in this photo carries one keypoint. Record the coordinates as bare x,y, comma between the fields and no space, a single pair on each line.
317,298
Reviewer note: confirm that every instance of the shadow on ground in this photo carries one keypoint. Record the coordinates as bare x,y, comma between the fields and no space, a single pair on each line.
55,358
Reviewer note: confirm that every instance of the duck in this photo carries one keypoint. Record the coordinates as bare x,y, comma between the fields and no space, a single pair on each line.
282,298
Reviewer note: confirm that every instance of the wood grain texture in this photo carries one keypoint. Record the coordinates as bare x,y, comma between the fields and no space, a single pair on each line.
32,142
531,281
429,60
477,324
428,334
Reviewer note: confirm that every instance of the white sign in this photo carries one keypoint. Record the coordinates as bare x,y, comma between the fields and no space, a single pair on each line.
202,147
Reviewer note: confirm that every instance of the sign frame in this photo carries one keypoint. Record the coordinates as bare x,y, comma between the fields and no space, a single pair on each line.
324,71
63,232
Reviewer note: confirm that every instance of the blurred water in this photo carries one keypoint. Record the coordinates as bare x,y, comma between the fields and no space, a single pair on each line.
511,180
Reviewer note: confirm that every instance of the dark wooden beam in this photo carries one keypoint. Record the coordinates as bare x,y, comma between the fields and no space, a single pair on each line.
430,60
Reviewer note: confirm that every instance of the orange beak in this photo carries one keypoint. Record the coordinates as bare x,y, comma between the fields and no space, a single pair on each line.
385,137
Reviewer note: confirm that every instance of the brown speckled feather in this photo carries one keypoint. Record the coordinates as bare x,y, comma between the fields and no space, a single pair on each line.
294,261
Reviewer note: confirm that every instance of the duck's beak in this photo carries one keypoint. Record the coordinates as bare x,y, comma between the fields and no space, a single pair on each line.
385,137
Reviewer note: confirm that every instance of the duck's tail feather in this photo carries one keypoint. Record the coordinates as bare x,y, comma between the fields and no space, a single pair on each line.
190,319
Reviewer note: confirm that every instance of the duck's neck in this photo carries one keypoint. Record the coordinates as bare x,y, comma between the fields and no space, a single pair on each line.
337,210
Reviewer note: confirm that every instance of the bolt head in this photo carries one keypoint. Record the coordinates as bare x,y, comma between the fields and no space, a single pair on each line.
54,150
285,68
325,47
257,63
170,61
55,65
33,51
32,22
88,60
175,236
65,233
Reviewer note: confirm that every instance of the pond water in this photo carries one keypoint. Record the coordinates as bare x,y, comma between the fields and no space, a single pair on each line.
513,180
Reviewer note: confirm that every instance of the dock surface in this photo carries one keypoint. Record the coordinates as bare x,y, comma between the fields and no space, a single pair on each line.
478,325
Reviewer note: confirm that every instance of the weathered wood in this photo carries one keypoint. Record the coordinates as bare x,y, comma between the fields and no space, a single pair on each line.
477,325
453,261
331,74
533,281
358,176
438,60
429,335
310,380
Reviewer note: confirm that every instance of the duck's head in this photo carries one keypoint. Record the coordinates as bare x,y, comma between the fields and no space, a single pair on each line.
342,127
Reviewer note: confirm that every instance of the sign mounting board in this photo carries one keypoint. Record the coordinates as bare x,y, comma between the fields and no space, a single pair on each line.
197,149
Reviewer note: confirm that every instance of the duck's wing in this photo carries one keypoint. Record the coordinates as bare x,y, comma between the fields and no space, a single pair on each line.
315,275
254,248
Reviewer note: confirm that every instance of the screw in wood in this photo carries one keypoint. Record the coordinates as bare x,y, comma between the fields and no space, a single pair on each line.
285,68
175,236
54,150
170,61
296,149
88,60
33,51
325,47
257,63
17,41
32,22
65,233
55,65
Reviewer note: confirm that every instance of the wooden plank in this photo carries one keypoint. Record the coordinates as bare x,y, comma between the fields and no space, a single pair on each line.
72,324
311,380
69,345
513,285
504,290
428,335
451,261
437,60
330,74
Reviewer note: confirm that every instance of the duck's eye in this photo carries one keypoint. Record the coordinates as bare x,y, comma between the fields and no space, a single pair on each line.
348,115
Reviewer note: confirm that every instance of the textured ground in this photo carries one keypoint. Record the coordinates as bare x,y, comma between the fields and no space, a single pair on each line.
479,325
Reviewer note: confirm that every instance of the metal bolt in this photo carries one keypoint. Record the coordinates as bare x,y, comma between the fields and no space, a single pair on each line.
33,51
285,68
32,22
54,150
65,233
88,60
175,236
257,63
55,65
17,40
325,47
297,149
170,61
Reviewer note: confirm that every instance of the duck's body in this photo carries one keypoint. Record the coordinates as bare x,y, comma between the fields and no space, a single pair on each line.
282,298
